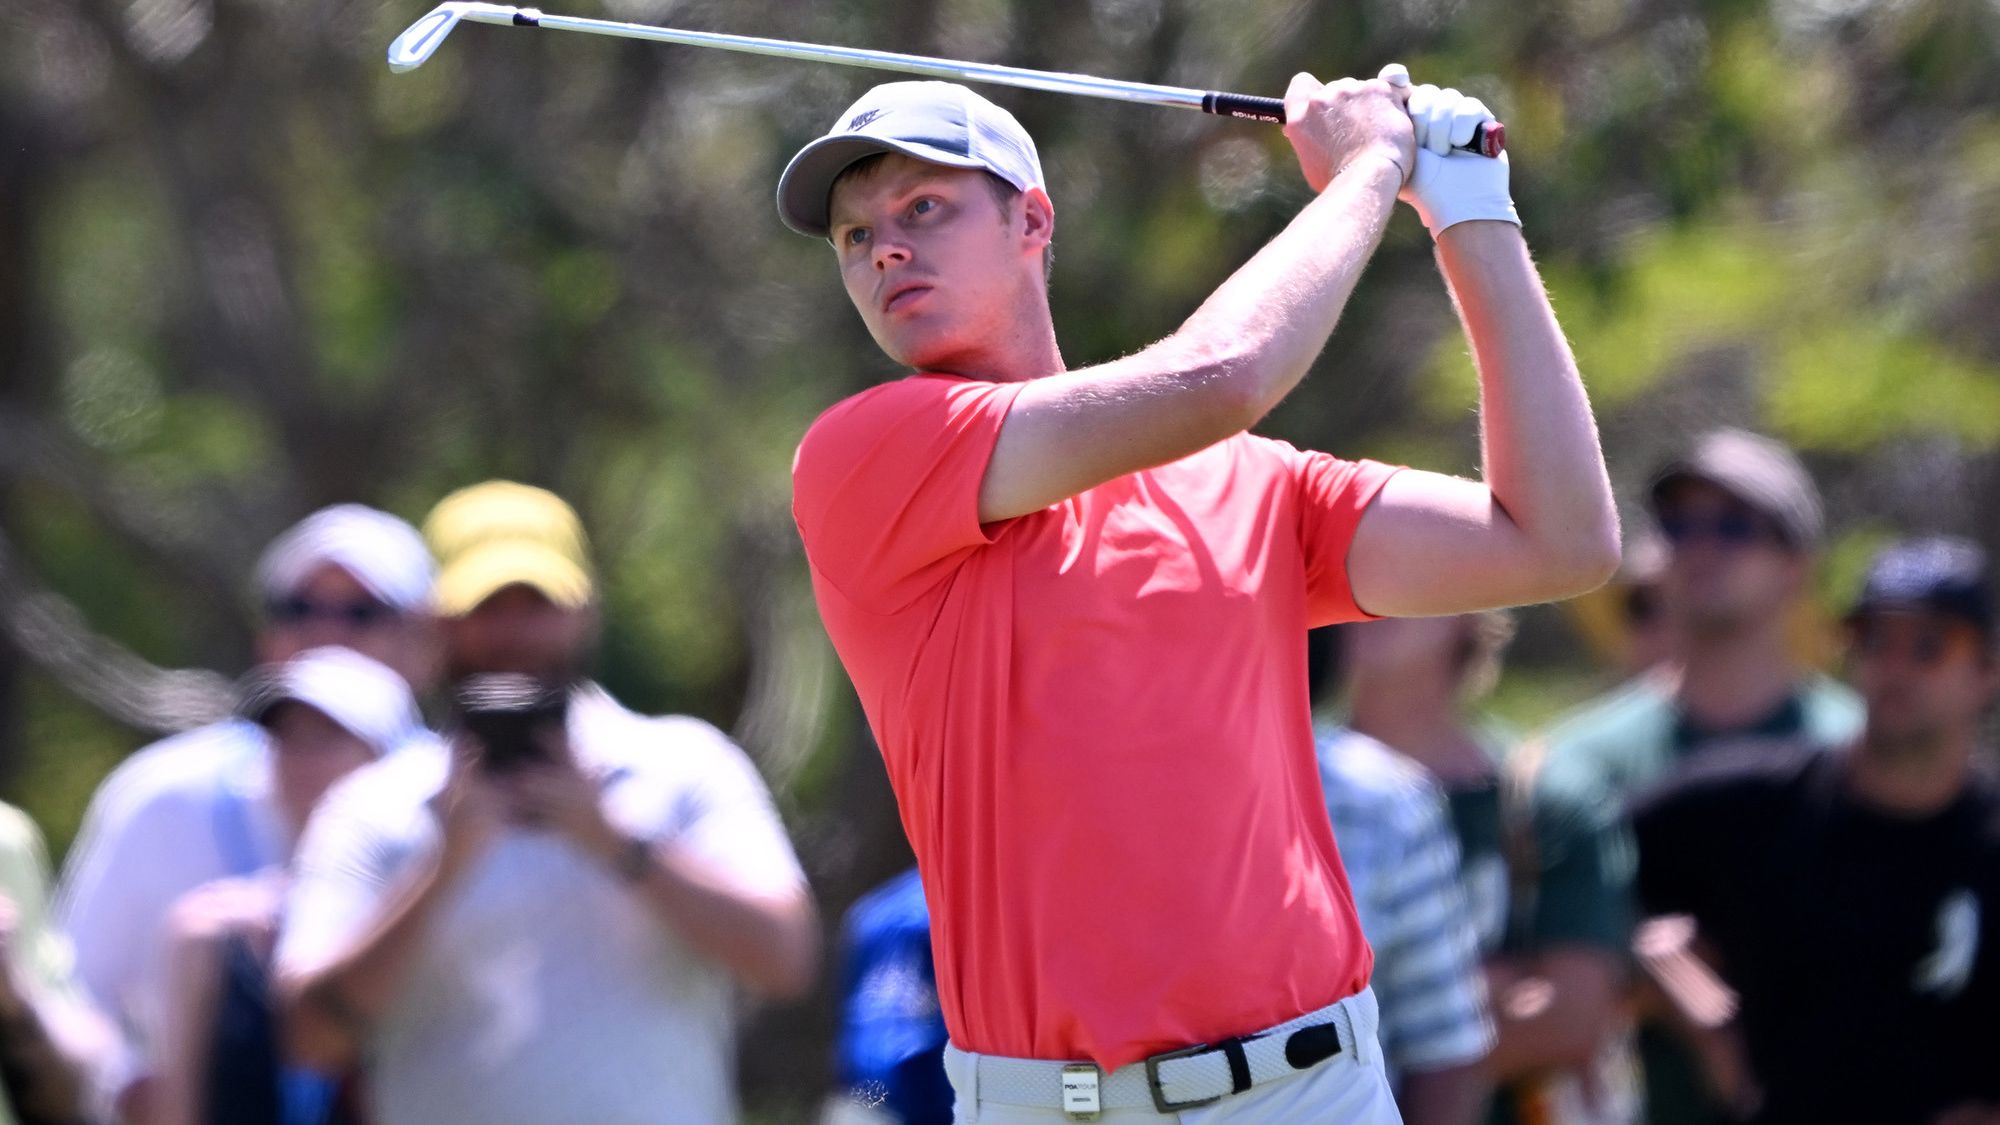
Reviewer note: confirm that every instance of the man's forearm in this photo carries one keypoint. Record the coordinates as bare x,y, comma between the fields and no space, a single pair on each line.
1227,366
330,1011
1542,459
1269,321
771,942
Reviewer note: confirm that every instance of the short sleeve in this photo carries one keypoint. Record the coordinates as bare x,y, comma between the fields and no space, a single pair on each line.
1583,861
1333,494
885,486
345,867
124,869
726,816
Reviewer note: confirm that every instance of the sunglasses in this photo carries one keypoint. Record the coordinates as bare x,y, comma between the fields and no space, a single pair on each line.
1925,646
1729,529
359,614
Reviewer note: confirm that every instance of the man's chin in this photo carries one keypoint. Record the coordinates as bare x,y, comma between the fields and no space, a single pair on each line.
915,354
919,349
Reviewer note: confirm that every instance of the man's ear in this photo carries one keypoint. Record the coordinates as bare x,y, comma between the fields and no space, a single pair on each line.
1039,218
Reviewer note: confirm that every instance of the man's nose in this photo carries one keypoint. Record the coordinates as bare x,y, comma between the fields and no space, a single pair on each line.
891,251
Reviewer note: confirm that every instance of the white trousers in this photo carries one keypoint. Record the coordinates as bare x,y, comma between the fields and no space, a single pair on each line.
1348,1089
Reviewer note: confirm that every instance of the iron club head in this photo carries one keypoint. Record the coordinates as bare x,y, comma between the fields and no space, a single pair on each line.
421,40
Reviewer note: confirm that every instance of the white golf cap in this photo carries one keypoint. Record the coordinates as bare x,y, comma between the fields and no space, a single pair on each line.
383,553
368,700
938,122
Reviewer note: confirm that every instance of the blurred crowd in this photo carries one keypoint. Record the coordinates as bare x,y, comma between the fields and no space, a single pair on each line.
1732,889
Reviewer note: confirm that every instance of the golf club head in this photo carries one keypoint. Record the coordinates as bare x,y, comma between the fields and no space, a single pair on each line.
421,40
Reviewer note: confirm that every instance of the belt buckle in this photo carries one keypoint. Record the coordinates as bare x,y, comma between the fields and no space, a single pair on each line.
1082,1097
1160,1100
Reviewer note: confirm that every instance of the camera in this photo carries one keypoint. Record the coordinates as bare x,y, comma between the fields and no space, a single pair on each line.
506,714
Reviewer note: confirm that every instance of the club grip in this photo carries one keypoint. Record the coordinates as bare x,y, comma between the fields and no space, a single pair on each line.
1489,139
1250,107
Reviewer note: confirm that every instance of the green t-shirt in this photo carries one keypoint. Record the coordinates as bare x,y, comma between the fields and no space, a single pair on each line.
1590,765
42,961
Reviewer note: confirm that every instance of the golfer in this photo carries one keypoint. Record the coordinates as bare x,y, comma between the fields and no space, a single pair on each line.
1075,602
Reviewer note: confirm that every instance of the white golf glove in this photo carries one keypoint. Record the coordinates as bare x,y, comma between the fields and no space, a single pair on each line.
1450,185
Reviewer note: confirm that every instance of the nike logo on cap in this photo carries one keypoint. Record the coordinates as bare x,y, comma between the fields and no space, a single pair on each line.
863,119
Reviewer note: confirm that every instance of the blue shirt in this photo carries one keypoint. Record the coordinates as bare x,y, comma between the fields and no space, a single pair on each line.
891,1046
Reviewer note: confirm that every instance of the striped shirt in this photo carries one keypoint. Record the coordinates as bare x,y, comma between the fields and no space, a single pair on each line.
1395,838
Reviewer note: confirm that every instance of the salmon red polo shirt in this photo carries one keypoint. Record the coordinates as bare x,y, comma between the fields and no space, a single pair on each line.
1095,720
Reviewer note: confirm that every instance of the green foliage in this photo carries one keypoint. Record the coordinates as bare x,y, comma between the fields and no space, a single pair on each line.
1851,387
77,747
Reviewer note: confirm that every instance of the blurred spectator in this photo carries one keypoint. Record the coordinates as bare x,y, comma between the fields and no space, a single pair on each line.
1649,632
328,711
1849,895
890,1052
201,806
1742,522
1411,684
1397,843
553,938
1395,839
58,1056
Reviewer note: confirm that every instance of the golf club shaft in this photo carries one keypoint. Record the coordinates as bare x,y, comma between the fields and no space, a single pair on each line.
415,45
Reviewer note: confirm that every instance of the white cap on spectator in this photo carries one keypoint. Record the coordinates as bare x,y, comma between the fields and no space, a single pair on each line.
383,553
368,700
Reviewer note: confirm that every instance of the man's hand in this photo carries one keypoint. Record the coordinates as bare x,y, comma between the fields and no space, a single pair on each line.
1335,124
559,795
1445,119
1448,184
470,809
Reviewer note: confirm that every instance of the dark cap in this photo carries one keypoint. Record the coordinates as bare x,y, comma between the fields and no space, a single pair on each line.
1758,471
1942,575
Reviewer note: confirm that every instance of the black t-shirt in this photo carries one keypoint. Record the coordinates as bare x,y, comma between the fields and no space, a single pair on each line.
1865,946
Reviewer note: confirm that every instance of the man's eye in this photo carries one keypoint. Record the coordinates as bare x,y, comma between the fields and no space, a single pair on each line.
856,236
923,206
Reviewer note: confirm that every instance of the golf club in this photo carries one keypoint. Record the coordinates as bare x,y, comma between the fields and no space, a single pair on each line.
417,44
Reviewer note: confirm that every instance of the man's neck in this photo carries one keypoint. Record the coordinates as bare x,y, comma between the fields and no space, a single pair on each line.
1421,719
1733,681
1025,348
1910,778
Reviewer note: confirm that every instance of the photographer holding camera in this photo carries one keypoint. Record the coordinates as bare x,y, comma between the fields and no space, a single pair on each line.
543,921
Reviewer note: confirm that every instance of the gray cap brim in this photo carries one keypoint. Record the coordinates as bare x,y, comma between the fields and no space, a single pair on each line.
804,190
1798,518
